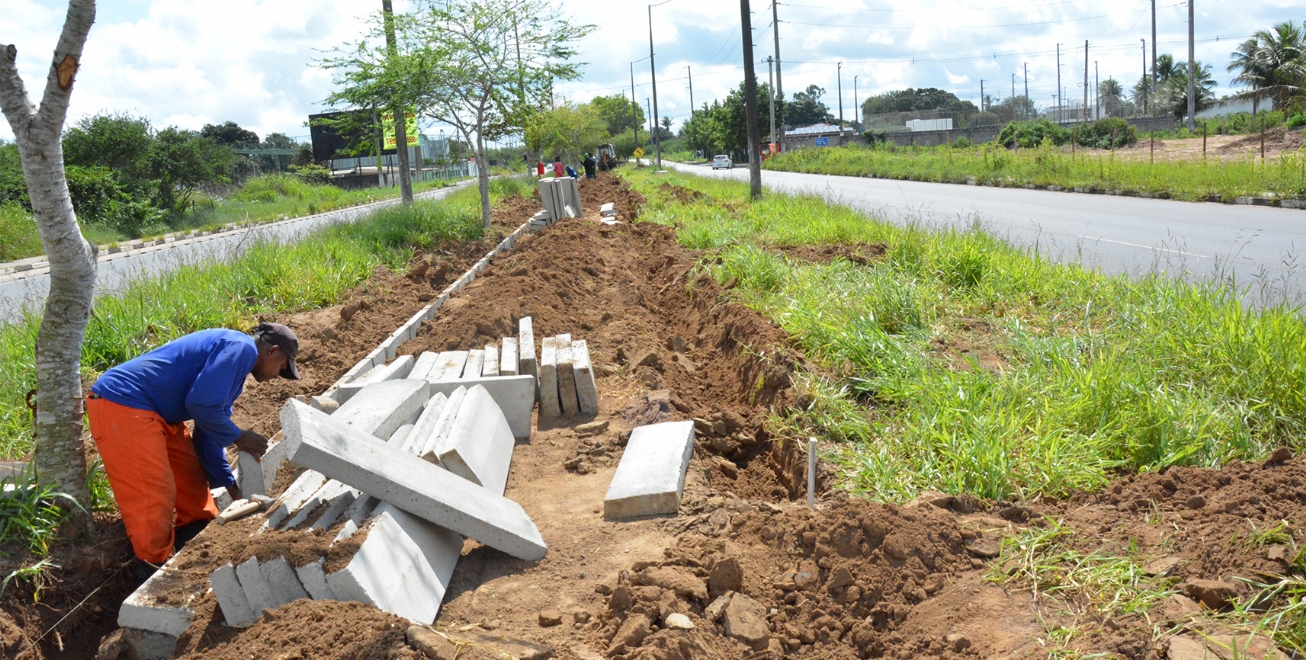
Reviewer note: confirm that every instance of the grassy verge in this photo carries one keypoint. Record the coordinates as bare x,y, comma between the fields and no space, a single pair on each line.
315,272
961,364
262,199
1048,166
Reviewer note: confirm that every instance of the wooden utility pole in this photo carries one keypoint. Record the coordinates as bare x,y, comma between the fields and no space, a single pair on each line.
400,115
750,104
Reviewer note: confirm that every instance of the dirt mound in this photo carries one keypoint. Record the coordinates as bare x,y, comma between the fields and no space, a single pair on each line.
307,629
858,253
682,194
1279,139
608,188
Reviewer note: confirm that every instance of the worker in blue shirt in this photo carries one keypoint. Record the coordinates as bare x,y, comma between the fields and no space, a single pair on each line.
160,472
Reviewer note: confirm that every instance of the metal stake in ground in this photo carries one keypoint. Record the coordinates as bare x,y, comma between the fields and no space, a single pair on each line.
750,105
811,473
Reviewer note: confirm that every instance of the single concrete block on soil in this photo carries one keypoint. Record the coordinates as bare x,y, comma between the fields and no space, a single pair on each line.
281,577
479,446
508,364
515,396
449,367
549,406
402,566
475,361
491,367
380,409
231,597
143,610
587,392
313,577
526,347
249,474
321,443
255,584
566,376
423,366
651,474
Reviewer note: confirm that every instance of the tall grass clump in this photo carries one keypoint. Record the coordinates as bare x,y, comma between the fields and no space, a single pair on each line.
1045,165
18,235
268,278
960,363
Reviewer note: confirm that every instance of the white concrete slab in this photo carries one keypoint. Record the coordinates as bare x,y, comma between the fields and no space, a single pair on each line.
141,610
231,597
479,446
335,508
651,475
509,364
475,361
587,391
249,474
440,427
549,406
423,366
257,589
450,366
566,376
281,577
526,347
396,370
313,577
321,443
310,506
491,366
515,396
424,427
299,490
221,498
381,408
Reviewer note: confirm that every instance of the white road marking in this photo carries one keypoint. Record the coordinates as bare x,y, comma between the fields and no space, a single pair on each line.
1146,247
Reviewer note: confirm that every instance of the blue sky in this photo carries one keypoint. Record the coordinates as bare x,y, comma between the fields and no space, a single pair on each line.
191,62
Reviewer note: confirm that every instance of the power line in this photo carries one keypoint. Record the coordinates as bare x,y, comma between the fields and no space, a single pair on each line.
953,27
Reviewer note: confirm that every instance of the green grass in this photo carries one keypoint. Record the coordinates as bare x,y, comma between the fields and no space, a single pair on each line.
267,279
992,165
1090,373
262,199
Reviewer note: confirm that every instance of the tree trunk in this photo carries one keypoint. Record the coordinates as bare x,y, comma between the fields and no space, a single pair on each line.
483,180
400,115
58,451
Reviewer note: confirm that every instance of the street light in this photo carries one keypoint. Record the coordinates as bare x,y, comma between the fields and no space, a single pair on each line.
657,138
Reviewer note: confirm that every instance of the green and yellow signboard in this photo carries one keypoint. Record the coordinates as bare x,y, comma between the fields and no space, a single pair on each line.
388,129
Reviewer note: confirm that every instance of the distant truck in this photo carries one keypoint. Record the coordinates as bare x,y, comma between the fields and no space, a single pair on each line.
607,157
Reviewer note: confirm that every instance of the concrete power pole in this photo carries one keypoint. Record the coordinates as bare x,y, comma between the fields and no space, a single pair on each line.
399,114
1060,101
856,109
691,91
838,81
1083,114
750,104
1097,93
982,108
779,83
1192,73
1153,86
1145,90
770,73
634,109
1027,103
652,69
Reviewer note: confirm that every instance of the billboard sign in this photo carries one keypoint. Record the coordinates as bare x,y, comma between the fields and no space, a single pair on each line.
410,129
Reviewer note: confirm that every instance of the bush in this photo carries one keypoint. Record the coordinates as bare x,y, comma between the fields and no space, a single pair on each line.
1106,133
135,218
93,189
314,175
18,235
1030,134
1297,121
962,142
269,187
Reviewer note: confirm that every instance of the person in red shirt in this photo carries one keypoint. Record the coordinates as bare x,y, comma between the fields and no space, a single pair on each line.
539,168
557,167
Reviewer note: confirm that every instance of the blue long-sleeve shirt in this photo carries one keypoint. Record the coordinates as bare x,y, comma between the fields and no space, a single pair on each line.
196,377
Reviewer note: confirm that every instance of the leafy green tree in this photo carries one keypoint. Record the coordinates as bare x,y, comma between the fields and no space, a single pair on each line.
229,133
1272,63
180,161
616,113
1013,108
914,100
806,108
117,141
1175,90
1157,96
567,130
723,126
1111,94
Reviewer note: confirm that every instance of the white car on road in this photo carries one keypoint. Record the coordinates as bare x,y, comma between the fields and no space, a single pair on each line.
722,161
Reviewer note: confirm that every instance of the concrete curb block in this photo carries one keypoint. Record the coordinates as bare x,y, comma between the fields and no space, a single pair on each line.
141,611
231,597
651,474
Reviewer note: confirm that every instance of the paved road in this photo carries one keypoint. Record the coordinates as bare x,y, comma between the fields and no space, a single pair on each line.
27,290
1255,245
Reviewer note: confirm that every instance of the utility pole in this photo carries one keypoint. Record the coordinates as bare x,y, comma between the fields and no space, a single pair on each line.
652,68
652,128
1083,113
982,108
770,72
1060,97
1153,86
691,91
634,109
1025,106
856,109
750,104
1145,90
1192,73
838,76
1013,86
1097,93
398,112
779,83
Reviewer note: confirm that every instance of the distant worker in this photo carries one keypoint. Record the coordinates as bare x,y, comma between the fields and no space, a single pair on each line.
590,166
557,167
572,173
159,472
539,169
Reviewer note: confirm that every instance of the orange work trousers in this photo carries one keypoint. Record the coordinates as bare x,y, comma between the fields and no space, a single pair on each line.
155,474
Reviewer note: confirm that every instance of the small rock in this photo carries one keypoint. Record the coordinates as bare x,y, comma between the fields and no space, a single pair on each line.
592,428
677,344
718,607
1196,502
726,575
1214,594
1178,606
958,642
984,546
678,621
646,358
840,578
584,467
686,364
727,468
933,498
1164,566
1277,553
431,644
744,619
630,635
807,575
550,618
581,616
680,581
1280,455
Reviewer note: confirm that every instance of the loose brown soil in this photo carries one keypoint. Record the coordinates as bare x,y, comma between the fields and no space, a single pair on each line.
851,579
1225,148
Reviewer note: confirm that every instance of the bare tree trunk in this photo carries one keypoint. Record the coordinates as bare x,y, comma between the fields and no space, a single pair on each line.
483,180
58,449
400,115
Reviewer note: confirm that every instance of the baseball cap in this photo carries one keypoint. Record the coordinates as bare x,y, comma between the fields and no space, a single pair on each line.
284,338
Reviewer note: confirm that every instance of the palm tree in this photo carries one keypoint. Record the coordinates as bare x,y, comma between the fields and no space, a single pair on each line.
1157,94
1112,95
1271,63
1175,89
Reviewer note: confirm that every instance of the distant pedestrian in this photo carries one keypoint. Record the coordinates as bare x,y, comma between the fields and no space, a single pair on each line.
572,173
590,166
539,169
557,167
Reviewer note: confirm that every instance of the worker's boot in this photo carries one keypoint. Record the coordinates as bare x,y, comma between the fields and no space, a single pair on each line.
186,532
142,570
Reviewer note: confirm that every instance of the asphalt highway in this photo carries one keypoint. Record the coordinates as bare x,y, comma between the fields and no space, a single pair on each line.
1254,247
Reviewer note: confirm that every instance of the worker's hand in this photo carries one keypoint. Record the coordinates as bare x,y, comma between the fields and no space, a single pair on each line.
234,491
253,443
